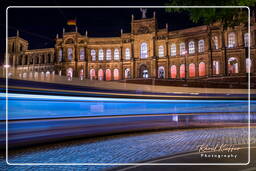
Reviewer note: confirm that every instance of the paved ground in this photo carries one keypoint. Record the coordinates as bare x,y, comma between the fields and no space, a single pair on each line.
138,87
124,149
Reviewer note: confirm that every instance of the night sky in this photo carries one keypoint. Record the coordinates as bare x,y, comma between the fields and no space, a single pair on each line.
39,26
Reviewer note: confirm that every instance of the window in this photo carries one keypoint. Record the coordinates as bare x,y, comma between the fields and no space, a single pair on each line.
69,73
191,47
143,50
101,55
216,68
108,54
100,74
232,65
81,54
92,74
201,46
127,73
215,42
60,55
127,54
116,54
173,49
201,69
231,40
70,54
182,49
93,54
161,51
246,37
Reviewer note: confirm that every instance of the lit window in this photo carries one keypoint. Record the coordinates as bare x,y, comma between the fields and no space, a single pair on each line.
108,54
216,68
231,40
248,64
201,46
232,65
70,54
246,37
127,54
182,49
93,54
143,50
173,49
161,51
101,55
116,54
215,42
81,53
60,55
191,47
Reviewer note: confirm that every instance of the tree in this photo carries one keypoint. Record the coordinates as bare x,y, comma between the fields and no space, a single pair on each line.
228,17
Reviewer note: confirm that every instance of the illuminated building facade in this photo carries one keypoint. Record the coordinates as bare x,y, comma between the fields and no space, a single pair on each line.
146,52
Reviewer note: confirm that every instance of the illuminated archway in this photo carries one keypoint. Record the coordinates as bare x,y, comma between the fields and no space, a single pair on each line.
192,70
173,71
116,74
201,69
232,65
108,74
127,73
92,74
182,71
100,74
69,73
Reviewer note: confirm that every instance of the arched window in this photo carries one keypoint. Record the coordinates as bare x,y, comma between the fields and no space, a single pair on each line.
108,74
191,47
60,55
127,54
100,74
70,54
246,38
116,74
215,42
161,73
69,73
92,74
173,49
81,54
182,49
201,69
201,46
108,54
116,54
144,73
127,73
231,40
161,51
248,63
192,70
144,50
93,55
101,55
232,65
182,71
216,67
173,71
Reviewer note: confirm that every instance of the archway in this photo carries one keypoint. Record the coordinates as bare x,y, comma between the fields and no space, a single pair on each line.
201,69
144,73
182,71
81,74
92,74
173,71
100,74
127,73
69,74
108,74
161,72
116,74
192,70
232,65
